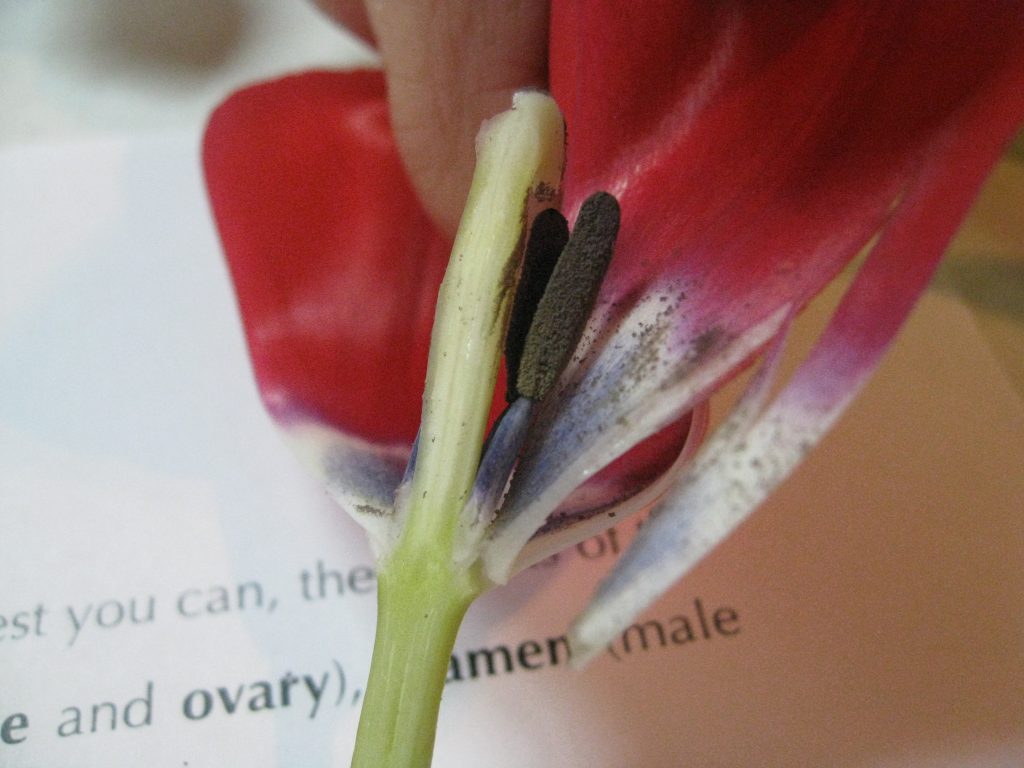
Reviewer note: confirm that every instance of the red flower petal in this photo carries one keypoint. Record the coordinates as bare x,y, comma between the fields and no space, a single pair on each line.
755,151
335,265
754,154
850,121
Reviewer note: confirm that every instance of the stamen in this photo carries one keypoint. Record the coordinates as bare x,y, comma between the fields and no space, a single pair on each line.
569,299
548,237
500,455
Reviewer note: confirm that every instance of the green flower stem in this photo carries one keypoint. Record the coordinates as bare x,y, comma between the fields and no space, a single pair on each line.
420,608
519,157
429,571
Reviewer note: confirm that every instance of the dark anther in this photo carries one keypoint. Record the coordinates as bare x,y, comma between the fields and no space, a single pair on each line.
567,302
548,237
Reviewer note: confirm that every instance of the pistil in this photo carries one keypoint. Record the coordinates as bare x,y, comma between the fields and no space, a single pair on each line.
519,163
423,590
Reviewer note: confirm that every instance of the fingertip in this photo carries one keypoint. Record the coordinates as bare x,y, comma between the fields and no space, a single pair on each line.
351,14
450,65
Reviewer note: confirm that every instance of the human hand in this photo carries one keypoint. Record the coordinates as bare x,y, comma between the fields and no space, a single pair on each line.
449,65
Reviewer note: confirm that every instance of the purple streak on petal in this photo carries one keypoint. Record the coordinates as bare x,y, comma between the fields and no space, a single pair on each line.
502,450
740,466
634,382
607,498
361,476
695,515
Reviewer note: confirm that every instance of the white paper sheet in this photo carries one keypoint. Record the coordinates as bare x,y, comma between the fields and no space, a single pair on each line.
176,592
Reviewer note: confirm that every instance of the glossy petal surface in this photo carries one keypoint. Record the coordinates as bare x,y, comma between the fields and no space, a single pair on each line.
334,263
336,269
756,148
